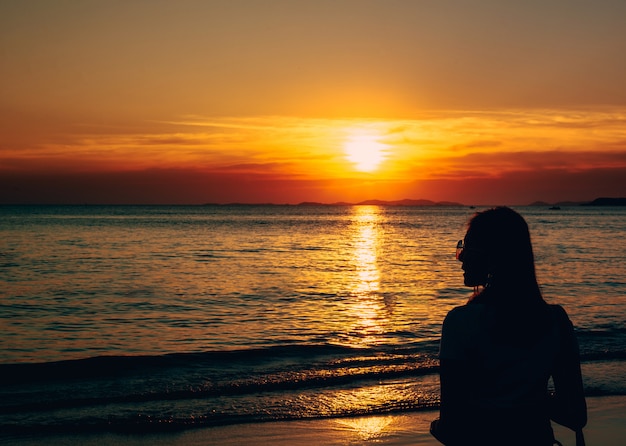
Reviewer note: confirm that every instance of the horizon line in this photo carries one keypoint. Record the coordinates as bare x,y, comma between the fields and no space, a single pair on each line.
407,202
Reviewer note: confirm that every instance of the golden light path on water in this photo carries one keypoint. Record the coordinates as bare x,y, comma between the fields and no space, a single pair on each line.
367,308
366,221
369,318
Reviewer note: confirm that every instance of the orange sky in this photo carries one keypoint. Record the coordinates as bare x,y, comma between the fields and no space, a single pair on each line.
484,102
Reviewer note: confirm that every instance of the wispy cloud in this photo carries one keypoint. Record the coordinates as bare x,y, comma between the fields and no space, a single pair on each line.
441,144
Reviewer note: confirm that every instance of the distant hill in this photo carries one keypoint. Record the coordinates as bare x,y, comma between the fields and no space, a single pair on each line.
405,202
605,201
409,202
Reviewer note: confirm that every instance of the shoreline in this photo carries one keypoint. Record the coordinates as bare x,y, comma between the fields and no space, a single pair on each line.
606,427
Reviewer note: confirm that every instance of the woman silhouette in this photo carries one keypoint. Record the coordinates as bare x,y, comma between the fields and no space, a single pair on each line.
499,351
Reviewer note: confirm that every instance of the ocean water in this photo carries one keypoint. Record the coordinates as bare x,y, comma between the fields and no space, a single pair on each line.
135,318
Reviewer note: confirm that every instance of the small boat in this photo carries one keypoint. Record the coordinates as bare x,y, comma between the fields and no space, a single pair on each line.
555,208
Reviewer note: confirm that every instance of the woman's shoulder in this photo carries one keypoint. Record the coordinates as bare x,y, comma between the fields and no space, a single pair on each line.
560,317
464,313
474,310
558,311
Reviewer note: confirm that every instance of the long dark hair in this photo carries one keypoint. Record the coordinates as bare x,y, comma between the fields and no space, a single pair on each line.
503,236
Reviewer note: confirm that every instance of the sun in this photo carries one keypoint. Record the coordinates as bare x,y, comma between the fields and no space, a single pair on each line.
365,150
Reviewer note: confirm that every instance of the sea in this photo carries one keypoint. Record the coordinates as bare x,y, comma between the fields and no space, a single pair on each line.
152,318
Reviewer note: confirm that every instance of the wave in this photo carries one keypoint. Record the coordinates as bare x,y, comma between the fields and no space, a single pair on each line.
128,392
233,371
602,344
185,390
595,346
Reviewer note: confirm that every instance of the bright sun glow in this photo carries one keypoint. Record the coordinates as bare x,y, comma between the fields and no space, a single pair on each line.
365,150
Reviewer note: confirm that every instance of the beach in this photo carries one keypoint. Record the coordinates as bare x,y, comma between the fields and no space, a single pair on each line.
606,427
267,325
246,222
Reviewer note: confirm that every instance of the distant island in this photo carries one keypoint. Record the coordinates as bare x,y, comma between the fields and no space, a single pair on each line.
603,201
607,202
405,202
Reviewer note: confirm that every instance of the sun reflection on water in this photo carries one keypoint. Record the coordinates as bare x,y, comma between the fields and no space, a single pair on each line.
365,250
367,307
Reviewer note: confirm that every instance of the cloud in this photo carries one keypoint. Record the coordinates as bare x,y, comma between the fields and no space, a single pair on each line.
238,156
187,186
525,187
156,186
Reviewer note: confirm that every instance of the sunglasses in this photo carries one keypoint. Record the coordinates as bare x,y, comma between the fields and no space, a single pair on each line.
460,246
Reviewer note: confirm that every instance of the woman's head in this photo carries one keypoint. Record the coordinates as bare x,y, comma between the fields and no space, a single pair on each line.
498,251
498,254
